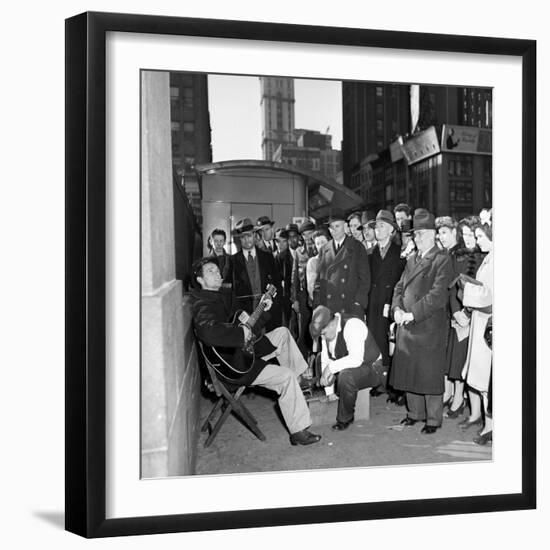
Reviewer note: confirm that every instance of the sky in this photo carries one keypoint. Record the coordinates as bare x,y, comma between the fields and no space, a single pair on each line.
235,115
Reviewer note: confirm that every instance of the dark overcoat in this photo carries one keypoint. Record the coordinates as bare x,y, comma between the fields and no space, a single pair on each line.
269,274
423,290
343,278
283,260
384,276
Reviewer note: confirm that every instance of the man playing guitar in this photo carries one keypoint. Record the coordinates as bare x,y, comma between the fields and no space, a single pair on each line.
213,309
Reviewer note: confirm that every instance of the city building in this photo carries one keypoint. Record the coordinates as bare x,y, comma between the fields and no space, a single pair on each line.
373,115
442,162
277,103
191,133
312,151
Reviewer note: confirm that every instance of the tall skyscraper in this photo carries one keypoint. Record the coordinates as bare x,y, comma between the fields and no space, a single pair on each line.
373,115
277,104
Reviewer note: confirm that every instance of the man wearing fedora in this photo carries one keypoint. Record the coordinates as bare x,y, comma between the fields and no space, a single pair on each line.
350,353
264,228
386,267
252,270
419,308
343,281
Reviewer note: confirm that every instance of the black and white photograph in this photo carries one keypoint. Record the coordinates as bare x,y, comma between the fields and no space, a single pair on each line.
254,256
317,274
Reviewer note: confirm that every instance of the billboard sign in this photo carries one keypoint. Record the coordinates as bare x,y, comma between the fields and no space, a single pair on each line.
466,139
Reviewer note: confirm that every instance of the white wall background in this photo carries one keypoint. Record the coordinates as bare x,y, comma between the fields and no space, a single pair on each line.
32,274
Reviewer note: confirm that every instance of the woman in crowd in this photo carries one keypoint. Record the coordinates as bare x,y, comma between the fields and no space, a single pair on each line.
320,238
478,295
465,259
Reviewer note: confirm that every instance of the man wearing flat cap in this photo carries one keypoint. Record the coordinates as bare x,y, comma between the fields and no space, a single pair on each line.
252,270
307,228
386,267
343,281
264,227
420,311
349,352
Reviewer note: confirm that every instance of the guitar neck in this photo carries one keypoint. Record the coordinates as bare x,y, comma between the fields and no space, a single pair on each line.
257,312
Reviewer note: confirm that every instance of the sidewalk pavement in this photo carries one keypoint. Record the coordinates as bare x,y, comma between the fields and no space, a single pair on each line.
379,441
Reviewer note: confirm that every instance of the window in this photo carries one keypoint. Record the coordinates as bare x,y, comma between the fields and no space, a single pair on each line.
379,110
379,91
380,144
174,92
188,99
188,127
379,126
175,125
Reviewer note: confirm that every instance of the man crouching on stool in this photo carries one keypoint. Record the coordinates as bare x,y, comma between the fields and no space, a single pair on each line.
350,354
213,307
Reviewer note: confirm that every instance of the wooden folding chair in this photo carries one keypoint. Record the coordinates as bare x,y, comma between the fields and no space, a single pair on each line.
228,400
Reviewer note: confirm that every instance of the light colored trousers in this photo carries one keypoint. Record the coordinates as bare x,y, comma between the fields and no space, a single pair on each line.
283,379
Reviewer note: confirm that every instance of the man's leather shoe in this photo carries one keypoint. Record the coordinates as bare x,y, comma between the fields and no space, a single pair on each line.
466,424
429,429
304,437
408,421
340,426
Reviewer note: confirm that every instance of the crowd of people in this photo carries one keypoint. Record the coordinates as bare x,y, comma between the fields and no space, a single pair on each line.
400,303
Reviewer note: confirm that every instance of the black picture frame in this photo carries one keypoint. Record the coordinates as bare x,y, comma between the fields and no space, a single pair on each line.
86,272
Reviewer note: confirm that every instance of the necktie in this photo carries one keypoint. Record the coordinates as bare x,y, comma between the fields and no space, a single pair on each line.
250,258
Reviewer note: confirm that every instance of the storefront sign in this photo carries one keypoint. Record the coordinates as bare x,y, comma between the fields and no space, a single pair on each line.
421,146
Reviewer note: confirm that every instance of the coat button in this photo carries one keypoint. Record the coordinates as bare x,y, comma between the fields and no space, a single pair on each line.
345,266
343,296
343,280
329,296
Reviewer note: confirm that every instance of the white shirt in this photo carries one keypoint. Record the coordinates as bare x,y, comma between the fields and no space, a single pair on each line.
355,335
251,251
338,244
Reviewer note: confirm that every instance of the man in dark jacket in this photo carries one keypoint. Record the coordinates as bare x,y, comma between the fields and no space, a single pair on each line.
283,259
213,308
252,270
386,267
349,352
343,280
420,311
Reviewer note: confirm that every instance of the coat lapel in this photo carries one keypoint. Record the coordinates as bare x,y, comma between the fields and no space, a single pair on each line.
337,259
421,266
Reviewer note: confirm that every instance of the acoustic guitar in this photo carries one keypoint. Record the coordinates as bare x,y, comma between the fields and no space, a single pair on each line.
234,363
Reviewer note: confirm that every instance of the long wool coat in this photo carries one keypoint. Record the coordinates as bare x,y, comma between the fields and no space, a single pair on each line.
343,278
477,369
419,360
